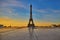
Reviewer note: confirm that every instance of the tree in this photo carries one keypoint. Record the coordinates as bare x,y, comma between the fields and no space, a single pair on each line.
1,25
59,25
54,25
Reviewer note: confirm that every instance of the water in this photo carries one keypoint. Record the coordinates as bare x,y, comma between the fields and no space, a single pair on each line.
35,34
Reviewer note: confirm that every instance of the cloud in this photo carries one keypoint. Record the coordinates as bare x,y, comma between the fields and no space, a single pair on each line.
8,12
48,15
13,3
42,11
47,11
56,11
7,9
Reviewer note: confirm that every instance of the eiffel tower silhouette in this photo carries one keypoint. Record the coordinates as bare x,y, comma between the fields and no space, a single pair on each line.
31,23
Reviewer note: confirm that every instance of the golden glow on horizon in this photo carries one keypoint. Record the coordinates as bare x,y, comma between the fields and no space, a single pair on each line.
8,22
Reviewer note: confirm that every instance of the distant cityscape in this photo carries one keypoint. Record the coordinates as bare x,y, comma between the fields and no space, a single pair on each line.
51,26
2,26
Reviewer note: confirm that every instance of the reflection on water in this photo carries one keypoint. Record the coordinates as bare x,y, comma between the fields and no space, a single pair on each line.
32,34
0,36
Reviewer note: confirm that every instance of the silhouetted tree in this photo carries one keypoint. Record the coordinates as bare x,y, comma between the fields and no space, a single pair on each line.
54,25
59,25
1,25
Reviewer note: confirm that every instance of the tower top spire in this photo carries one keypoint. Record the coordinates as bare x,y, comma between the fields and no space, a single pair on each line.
30,5
31,11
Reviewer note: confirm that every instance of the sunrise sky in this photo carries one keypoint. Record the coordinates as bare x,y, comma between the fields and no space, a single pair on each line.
16,12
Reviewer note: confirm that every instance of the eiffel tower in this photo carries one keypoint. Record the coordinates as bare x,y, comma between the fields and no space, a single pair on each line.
31,23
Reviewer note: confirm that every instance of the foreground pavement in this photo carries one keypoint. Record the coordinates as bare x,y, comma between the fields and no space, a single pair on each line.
25,34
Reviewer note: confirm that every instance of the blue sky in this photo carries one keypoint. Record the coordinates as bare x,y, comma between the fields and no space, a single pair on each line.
43,10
